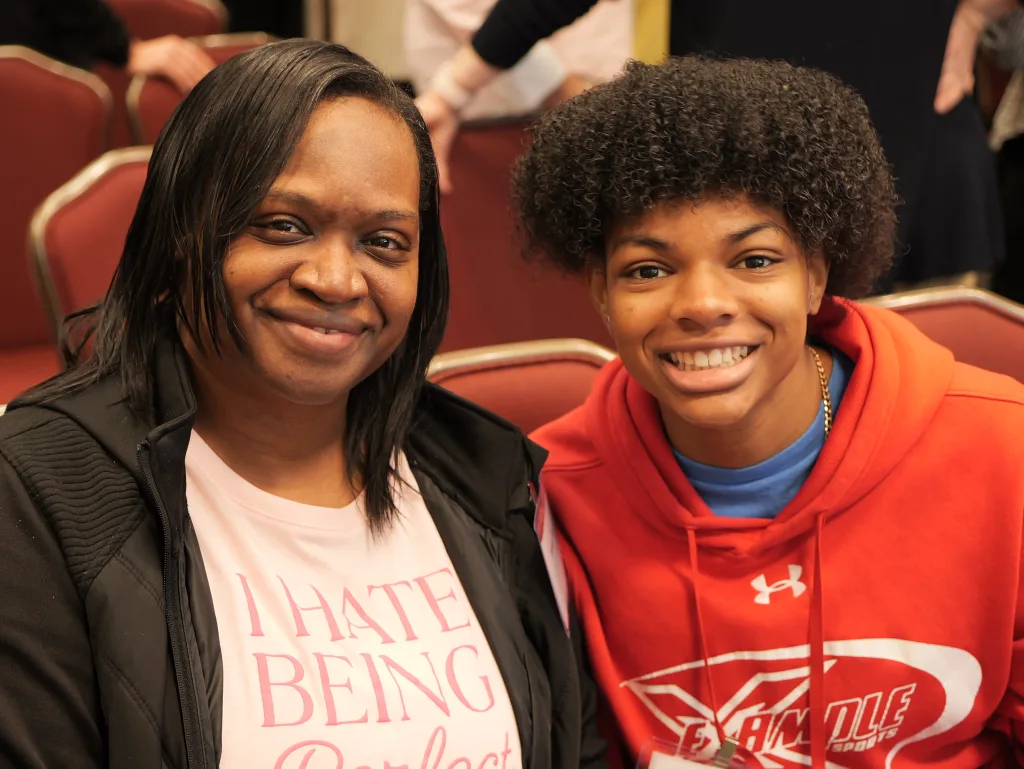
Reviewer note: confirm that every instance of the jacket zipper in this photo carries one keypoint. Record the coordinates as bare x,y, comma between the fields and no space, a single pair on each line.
195,749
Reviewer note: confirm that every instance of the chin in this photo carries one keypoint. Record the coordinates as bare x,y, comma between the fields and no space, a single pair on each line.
709,412
308,388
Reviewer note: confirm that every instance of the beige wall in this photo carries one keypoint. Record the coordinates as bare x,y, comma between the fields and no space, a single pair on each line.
372,28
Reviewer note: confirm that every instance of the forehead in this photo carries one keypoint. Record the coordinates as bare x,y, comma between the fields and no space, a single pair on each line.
354,152
714,216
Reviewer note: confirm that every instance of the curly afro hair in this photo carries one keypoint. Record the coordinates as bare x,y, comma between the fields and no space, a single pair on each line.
790,137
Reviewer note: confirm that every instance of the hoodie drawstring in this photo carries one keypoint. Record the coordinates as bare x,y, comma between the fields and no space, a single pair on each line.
816,639
816,643
691,539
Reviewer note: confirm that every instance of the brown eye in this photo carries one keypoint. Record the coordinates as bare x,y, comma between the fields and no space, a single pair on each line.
757,262
647,272
280,230
383,241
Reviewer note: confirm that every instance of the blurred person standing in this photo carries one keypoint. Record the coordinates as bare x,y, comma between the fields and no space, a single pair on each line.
916,87
1003,42
83,32
590,50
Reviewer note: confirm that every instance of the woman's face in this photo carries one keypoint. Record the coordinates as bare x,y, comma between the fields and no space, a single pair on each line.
708,305
322,283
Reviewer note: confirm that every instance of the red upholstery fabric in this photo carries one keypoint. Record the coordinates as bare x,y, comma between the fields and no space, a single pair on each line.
53,126
117,79
496,296
158,98
146,19
22,367
976,333
527,393
84,238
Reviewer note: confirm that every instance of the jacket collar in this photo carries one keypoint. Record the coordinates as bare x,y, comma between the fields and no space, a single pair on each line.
483,462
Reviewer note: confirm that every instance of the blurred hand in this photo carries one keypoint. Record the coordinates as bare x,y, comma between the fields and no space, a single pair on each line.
443,123
957,77
181,61
573,85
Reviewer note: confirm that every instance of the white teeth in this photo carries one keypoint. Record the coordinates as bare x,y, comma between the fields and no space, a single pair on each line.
701,360
325,330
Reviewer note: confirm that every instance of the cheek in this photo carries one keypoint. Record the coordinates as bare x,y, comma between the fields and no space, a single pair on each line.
635,315
396,292
248,271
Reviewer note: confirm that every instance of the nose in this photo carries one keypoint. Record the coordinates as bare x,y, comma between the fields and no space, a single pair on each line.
704,298
331,271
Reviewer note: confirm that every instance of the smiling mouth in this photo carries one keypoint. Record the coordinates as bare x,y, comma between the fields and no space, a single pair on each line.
705,360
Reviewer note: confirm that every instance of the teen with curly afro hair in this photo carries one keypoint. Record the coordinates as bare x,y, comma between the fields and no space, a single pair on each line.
791,138
737,497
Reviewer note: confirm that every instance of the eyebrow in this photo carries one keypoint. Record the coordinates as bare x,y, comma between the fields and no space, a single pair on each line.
299,200
640,240
746,232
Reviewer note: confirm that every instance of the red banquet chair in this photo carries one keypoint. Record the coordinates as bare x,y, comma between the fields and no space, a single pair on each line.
527,383
496,296
981,328
63,118
78,233
151,100
144,20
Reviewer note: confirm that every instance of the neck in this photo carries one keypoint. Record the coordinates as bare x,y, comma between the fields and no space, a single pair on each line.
777,422
291,450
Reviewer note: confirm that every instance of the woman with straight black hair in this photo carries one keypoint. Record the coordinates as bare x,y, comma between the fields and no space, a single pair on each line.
240,530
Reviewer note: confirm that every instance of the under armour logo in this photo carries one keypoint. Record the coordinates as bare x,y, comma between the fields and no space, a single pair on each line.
764,590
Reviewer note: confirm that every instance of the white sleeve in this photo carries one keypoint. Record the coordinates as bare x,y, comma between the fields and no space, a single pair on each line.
547,533
537,75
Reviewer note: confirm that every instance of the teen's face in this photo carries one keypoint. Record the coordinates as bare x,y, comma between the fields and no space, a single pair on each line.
708,307
322,283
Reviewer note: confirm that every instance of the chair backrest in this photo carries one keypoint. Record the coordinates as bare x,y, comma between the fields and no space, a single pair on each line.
78,233
56,120
496,296
146,19
527,383
981,328
152,100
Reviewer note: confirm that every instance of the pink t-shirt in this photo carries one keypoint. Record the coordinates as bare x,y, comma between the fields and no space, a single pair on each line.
338,650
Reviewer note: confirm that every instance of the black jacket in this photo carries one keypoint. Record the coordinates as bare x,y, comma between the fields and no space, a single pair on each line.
109,653
77,32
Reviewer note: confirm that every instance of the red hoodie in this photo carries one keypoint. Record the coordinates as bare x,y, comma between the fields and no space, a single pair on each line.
877,618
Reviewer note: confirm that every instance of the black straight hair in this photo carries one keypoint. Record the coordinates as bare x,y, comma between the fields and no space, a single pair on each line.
212,164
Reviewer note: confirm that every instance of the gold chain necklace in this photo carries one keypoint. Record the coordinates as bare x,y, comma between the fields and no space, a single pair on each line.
826,394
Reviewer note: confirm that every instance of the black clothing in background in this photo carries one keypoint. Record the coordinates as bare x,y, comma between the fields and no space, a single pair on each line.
1008,279
281,18
889,50
77,32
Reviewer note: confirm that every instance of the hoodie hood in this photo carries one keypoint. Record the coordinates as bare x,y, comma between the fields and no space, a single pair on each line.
899,381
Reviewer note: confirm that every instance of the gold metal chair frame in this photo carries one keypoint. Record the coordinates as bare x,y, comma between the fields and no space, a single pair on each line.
82,76
949,295
514,353
71,190
134,92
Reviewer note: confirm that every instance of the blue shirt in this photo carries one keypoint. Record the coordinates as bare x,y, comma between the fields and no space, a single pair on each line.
762,490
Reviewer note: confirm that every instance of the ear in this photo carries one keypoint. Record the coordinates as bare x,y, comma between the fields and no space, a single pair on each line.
817,280
597,282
